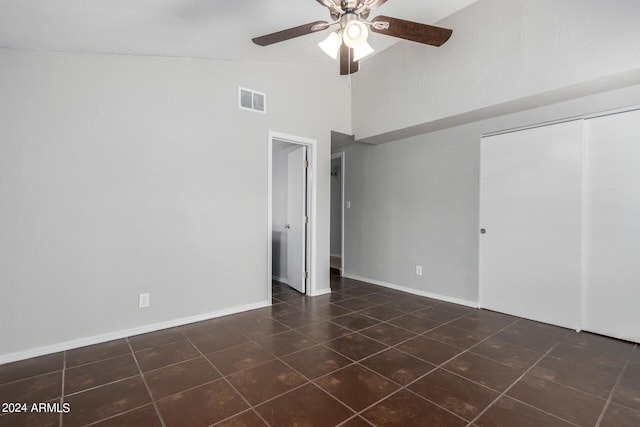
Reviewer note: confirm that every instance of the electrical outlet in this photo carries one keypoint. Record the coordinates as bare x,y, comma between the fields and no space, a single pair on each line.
418,270
143,301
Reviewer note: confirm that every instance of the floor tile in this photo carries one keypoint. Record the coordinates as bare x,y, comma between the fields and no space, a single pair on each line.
532,335
355,346
382,313
164,355
429,350
601,346
154,339
285,343
308,406
245,419
397,366
96,352
42,388
266,381
485,371
355,422
597,379
355,321
405,409
218,340
405,306
324,331
173,379
106,401
357,386
507,353
297,319
569,404
202,406
508,412
437,315
35,366
387,334
414,323
456,337
627,392
620,416
260,328
240,357
476,324
30,419
356,303
458,395
99,373
142,417
316,361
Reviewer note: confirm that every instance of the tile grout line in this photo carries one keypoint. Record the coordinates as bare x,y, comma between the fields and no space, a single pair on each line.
501,395
436,367
224,378
144,380
612,392
64,370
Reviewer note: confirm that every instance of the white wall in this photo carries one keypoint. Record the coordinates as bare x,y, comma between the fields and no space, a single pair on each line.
121,175
501,51
416,201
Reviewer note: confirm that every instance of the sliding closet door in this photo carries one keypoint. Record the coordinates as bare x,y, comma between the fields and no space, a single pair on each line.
612,226
530,210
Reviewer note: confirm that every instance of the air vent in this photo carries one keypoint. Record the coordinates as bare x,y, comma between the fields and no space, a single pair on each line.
252,100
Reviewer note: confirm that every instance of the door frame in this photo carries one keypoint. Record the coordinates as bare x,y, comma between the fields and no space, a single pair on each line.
312,194
342,156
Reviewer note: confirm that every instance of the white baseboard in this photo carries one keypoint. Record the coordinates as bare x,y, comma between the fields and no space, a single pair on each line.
467,303
319,292
97,339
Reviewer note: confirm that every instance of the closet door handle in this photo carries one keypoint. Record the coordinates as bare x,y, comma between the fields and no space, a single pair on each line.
483,231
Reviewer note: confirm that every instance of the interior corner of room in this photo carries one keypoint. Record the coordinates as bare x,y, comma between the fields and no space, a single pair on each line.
123,175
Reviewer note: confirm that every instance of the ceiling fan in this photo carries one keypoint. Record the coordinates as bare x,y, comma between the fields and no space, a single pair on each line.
352,26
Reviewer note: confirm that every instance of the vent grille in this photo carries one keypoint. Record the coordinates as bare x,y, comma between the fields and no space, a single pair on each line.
252,100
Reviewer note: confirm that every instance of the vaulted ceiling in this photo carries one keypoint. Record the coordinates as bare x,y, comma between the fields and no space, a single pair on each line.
216,29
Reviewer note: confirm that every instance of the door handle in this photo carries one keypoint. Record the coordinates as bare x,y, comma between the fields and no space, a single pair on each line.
482,231
287,226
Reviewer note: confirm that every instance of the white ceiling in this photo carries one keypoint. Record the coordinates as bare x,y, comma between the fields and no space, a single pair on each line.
216,29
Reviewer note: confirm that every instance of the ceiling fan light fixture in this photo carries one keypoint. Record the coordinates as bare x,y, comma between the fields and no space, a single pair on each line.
331,45
362,51
355,34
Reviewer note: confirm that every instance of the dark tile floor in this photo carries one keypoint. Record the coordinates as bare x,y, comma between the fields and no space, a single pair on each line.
363,355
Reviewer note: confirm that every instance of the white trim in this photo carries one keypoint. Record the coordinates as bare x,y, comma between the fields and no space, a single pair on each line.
97,339
312,193
467,303
564,120
342,156
319,292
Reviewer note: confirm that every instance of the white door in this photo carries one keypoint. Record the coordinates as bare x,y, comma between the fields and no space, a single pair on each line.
530,210
612,226
296,212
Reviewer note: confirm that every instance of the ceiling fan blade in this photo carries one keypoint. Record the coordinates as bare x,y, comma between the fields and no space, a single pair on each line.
290,33
413,31
347,64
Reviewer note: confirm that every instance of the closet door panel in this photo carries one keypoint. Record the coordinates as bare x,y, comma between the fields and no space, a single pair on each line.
611,300
530,208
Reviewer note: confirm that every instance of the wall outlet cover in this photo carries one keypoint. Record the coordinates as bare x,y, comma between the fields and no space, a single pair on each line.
143,301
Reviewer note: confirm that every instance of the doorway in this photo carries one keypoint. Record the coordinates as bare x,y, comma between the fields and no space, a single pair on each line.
337,214
291,201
